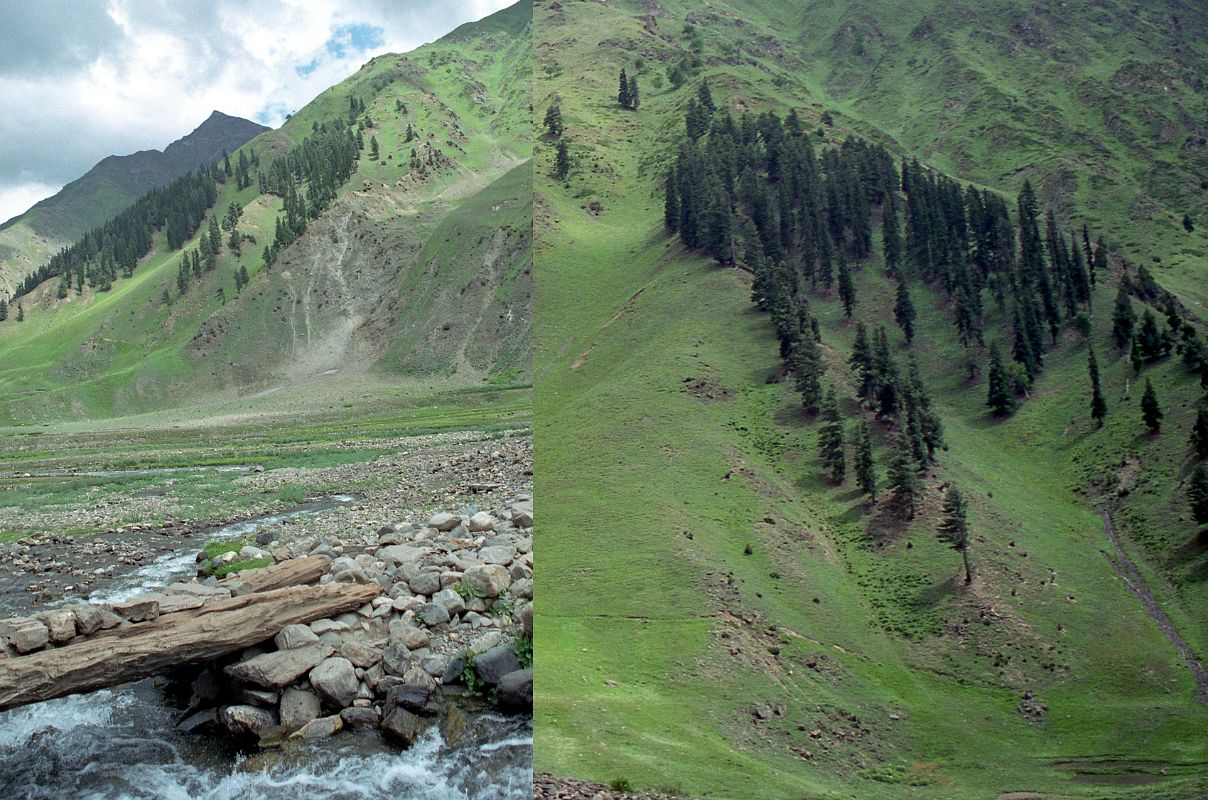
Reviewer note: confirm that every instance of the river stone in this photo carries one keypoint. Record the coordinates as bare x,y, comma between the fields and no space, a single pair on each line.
524,615
492,665
294,636
336,681
248,553
487,580
88,618
501,555
480,522
395,657
246,719
522,514
485,642
451,600
138,609
454,726
201,721
410,635
25,635
522,587
320,728
322,626
359,717
515,692
258,697
61,624
426,583
444,521
298,707
274,670
415,693
403,726
360,653
401,554
433,614
453,671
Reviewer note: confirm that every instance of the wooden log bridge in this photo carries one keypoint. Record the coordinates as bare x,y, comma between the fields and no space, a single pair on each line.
215,626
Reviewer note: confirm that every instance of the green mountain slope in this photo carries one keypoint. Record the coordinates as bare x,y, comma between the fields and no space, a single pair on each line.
728,623
31,238
340,300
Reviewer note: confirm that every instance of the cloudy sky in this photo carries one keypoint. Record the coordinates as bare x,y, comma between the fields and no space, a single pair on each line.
83,79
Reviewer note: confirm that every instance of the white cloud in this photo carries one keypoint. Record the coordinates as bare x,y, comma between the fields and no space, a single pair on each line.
155,73
17,198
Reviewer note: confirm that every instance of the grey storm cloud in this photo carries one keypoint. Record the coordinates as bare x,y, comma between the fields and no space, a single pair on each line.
83,79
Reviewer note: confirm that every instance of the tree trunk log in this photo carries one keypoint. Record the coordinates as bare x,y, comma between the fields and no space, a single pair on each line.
292,572
136,651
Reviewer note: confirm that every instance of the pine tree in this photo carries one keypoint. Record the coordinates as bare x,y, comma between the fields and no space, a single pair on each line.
806,363
623,92
831,444
866,471
1151,409
861,362
954,527
999,397
1199,433
1123,318
671,203
553,121
1197,494
561,162
1098,404
1188,225
20,313
634,99
847,289
374,152
903,480
3,309
903,311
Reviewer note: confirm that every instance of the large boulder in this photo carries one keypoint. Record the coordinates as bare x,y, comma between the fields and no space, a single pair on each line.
487,580
515,692
275,670
425,583
415,693
401,554
336,681
298,707
246,719
498,554
433,614
481,522
491,666
451,600
444,521
403,726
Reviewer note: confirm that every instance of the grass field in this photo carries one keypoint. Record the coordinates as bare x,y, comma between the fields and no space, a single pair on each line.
841,657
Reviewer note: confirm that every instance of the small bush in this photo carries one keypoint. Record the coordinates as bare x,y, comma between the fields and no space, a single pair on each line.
241,565
291,494
620,785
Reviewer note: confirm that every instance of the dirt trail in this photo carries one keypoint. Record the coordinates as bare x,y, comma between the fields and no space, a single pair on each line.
1132,578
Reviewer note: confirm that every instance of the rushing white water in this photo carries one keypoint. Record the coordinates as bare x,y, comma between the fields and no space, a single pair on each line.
120,743
182,565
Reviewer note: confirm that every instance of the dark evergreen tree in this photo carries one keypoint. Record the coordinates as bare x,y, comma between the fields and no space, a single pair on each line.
1000,396
1199,433
1197,494
954,527
903,311
553,121
831,441
1151,409
1098,404
561,162
866,471
1188,225
671,204
847,289
634,98
903,481
861,361
1123,318
623,92
374,152
806,362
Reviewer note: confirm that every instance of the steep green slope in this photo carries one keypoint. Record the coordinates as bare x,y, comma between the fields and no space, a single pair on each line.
31,238
341,297
727,622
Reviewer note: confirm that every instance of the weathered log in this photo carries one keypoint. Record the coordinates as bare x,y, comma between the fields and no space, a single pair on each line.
133,652
292,572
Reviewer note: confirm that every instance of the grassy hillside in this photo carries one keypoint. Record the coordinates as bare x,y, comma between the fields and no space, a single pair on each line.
726,621
345,296
30,239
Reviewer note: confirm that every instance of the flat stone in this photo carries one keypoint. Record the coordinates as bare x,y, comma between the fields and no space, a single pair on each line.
275,670
410,635
319,728
138,609
356,717
322,626
294,636
25,634
444,521
246,719
361,654
401,554
501,555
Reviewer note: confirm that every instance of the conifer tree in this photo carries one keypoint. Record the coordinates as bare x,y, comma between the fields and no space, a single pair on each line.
1197,494
20,313
561,162
866,471
1151,409
903,480
634,98
806,363
903,311
1199,433
553,121
847,289
1123,318
3,309
999,396
861,362
1098,404
954,527
671,204
623,92
374,152
831,444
